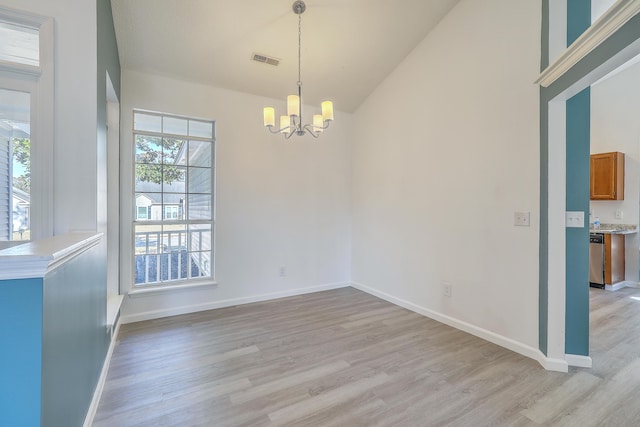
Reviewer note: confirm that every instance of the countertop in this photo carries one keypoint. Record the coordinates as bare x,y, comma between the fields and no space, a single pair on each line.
615,229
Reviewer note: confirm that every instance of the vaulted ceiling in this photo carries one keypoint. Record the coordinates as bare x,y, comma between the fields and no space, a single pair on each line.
348,46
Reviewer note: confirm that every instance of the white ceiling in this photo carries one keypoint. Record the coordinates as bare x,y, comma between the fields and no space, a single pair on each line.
348,46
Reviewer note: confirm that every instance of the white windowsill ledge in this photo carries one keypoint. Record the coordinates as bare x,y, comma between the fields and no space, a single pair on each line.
37,258
155,290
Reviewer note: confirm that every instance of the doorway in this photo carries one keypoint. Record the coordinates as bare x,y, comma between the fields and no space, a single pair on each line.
559,324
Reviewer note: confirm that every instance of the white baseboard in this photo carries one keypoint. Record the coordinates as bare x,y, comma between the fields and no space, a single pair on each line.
618,286
626,284
508,343
579,361
551,364
97,394
175,311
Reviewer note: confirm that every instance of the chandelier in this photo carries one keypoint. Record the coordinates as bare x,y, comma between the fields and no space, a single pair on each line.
292,123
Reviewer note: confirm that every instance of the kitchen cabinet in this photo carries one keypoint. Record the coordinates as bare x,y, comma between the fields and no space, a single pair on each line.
607,176
613,258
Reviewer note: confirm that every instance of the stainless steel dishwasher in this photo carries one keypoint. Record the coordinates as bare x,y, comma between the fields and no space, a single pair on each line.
596,260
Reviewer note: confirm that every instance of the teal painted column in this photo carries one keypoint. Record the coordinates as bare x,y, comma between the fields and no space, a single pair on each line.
577,250
577,239
21,352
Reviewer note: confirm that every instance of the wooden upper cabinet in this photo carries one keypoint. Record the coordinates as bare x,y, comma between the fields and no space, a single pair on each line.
607,176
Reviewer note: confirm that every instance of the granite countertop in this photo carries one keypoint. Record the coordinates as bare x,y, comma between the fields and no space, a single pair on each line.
614,229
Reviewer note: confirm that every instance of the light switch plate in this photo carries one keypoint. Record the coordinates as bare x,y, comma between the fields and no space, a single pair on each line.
575,219
521,219
618,213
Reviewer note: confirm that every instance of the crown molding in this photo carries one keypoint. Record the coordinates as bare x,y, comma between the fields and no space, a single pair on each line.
614,18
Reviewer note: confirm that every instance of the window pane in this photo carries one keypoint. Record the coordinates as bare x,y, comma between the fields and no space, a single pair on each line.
172,150
147,245
173,204
200,264
199,206
200,153
147,122
199,180
199,237
15,165
173,178
148,149
20,44
147,204
174,125
148,178
202,129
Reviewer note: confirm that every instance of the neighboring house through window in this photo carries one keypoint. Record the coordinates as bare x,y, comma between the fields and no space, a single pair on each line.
174,198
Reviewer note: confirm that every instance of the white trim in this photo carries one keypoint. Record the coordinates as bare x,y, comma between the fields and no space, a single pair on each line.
156,314
578,361
155,290
13,67
556,233
36,259
617,286
614,18
97,394
552,364
629,284
114,303
508,343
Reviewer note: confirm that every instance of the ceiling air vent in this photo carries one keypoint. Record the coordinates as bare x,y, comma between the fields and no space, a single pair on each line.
265,59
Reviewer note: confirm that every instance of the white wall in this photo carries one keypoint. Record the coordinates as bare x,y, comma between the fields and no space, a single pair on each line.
75,109
280,203
446,150
615,103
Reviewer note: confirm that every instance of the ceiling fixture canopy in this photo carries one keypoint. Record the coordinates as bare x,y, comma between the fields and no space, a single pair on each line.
292,123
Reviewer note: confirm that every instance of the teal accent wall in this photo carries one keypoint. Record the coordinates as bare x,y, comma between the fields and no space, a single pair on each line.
75,338
21,353
578,18
577,250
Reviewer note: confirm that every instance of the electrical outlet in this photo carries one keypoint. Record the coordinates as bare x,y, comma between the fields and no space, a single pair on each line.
521,219
446,289
618,213
282,271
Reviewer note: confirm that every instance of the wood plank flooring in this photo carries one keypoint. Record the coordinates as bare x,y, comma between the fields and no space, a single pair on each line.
345,358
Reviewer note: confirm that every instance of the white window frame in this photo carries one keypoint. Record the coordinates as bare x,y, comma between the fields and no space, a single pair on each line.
39,82
161,286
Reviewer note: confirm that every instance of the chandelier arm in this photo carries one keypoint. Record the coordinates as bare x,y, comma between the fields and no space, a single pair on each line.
290,134
313,133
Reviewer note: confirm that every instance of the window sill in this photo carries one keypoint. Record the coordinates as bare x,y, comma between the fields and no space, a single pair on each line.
155,290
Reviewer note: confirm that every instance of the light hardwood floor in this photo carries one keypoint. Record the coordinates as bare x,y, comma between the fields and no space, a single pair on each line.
345,358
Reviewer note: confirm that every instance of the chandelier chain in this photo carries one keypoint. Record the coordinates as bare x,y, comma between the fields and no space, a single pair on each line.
299,48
